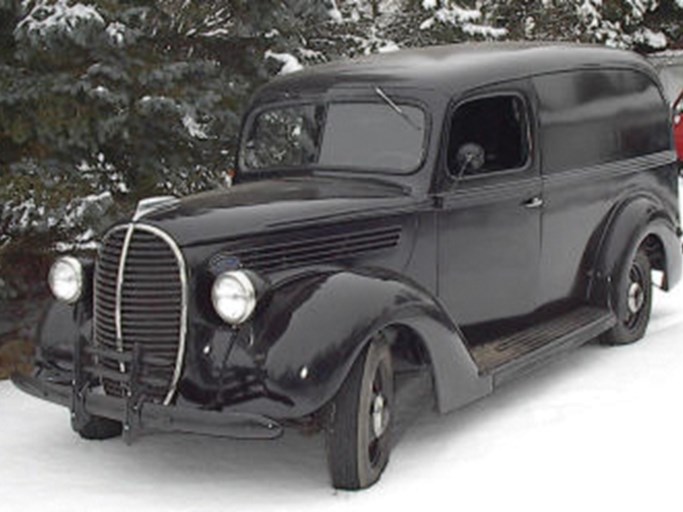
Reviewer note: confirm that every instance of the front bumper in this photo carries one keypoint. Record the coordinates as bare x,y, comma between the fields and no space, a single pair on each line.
145,416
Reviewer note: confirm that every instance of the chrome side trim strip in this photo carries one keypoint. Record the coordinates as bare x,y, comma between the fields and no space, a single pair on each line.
182,268
617,168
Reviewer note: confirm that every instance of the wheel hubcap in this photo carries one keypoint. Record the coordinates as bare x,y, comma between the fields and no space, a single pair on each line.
636,297
379,415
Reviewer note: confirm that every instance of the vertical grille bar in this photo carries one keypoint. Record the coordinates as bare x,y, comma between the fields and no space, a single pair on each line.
119,293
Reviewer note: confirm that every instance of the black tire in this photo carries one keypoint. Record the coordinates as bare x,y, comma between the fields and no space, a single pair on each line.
632,302
358,432
98,429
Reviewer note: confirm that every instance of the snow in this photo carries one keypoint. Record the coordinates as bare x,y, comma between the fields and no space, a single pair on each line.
83,242
456,14
656,40
217,32
290,63
334,13
597,430
484,30
588,11
117,33
194,128
427,24
450,13
389,47
59,16
78,207
152,104
100,91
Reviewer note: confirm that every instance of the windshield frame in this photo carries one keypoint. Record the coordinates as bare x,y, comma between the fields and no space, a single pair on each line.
366,97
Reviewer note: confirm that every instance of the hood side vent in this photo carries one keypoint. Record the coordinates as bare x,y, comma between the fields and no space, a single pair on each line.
331,245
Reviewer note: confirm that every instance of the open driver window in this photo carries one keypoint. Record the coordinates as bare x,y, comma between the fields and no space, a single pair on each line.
493,129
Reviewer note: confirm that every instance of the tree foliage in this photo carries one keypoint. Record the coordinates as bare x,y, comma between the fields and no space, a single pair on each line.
121,99
106,101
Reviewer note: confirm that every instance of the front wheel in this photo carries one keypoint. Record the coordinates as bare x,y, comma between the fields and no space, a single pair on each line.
359,426
632,302
99,429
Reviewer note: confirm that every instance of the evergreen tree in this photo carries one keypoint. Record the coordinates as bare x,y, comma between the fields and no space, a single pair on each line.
368,26
106,102
643,25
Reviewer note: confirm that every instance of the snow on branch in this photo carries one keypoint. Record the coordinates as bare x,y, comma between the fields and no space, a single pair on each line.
290,63
450,13
334,13
60,16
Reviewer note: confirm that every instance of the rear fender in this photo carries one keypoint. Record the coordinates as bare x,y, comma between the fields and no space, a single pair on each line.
631,224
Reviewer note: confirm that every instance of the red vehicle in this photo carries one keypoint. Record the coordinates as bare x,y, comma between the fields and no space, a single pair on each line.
678,126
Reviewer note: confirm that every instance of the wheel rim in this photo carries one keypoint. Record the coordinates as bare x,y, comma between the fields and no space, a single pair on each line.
378,418
636,297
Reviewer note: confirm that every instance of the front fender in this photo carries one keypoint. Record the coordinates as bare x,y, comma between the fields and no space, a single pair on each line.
56,335
306,337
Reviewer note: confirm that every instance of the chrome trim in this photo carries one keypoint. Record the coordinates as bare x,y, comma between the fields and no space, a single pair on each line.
119,293
182,267
152,204
614,169
96,292
534,203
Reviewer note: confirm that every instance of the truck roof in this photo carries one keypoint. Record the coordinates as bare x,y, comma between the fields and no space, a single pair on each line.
450,67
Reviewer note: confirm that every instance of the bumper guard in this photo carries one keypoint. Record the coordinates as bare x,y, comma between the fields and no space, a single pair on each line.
134,412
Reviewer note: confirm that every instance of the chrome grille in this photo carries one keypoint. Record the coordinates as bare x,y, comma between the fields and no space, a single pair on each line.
140,298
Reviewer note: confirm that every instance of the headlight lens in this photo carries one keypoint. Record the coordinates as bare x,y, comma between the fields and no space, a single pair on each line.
66,279
234,297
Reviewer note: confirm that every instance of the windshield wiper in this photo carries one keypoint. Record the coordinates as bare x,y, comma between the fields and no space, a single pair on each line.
395,107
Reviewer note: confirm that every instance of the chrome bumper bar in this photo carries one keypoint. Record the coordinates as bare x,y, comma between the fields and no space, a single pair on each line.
144,416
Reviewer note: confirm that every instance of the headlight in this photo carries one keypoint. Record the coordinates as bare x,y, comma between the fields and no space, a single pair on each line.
234,297
66,279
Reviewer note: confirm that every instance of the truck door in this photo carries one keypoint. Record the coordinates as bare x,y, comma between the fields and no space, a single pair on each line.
489,222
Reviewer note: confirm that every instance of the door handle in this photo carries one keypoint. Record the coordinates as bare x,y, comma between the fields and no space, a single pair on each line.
534,202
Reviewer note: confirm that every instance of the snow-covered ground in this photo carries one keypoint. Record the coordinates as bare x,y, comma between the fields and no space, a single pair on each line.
601,429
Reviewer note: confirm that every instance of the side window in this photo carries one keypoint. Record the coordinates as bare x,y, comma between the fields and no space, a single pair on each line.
488,135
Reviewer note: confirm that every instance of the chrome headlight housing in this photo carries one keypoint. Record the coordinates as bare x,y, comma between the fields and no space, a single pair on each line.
66,279
234,296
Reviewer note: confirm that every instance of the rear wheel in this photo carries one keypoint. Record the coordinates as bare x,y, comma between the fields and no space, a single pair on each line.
632,299
359,426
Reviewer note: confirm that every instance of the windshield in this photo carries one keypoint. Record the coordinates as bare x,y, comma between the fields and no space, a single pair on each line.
355,136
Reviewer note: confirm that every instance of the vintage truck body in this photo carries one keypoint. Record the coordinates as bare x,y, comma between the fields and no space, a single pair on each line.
470,211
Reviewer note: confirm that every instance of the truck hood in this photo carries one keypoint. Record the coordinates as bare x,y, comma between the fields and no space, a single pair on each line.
274,205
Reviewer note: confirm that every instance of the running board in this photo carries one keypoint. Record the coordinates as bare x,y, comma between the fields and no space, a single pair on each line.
509,356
